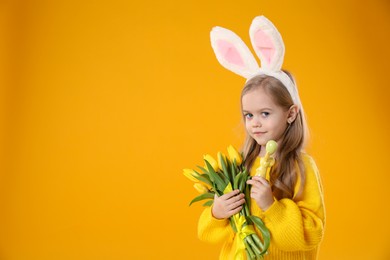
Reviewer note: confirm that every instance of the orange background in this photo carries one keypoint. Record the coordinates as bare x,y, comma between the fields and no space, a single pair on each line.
103,105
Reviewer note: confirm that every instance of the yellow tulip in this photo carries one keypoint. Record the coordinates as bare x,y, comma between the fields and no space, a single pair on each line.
233,154
211,161
189,173
201,188
219,155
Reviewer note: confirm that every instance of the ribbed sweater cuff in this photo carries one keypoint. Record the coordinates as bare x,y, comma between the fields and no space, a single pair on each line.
215,221
275,211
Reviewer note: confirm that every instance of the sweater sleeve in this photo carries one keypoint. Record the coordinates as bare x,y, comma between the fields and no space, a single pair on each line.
213,230
299,224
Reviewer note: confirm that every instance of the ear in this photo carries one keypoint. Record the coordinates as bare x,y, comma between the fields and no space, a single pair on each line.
292,114
267,43
232,52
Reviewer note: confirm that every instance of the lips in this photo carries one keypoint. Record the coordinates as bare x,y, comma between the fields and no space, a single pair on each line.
258,133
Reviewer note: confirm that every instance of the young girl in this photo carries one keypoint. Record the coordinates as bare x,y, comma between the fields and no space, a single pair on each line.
290,199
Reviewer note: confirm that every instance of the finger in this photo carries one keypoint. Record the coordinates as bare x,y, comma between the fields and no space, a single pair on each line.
265,183
259,188
254,193
236,204
230,194
235,211
251,182
236,198
257,178
261,180
255,189
254,183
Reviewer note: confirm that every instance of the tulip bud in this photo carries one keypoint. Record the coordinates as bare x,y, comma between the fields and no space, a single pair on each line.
221,156
201,188
189,173
233,154
211,161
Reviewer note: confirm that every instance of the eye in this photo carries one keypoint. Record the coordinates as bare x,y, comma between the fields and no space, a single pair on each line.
265,114
248,115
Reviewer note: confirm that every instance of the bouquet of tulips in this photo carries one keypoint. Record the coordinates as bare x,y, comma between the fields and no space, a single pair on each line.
222,176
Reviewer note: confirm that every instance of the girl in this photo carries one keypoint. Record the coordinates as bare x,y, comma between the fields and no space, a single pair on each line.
290,199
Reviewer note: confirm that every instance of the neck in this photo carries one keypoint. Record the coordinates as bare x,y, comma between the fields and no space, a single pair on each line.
262,151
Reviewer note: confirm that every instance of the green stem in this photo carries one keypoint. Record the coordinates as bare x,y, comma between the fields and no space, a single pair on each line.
258,242
253,245
249,250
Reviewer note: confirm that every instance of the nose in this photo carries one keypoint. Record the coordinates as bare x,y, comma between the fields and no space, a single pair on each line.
256,122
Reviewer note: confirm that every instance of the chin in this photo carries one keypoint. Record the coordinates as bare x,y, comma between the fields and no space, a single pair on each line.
260,141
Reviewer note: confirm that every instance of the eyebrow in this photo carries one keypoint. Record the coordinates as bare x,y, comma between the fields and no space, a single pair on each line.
259,110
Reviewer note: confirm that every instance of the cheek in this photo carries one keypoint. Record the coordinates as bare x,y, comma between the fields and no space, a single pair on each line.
247,124
248,129
282,127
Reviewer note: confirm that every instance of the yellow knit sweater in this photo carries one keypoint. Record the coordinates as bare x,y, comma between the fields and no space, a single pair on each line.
296,226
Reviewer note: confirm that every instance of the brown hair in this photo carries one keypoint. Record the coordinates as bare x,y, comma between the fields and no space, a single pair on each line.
284,174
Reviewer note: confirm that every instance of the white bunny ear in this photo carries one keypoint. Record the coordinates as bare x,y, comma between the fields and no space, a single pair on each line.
232,52
267,43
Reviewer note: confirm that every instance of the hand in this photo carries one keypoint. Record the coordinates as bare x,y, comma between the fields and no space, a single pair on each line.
261,192
228,204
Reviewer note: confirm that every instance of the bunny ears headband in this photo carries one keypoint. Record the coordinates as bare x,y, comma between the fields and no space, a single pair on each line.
234,55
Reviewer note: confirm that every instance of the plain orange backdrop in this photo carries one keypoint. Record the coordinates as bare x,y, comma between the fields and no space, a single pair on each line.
103,103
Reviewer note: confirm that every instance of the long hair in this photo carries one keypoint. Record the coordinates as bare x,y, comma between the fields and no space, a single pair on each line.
284,174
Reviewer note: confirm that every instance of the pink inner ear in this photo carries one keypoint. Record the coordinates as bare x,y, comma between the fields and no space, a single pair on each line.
230,53
264,44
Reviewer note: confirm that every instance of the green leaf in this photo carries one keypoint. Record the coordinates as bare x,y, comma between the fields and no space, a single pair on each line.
229,168
203,196
197,172
223,177
247,198
204,178
234,169
208,203
242,184
233,225
263,230
237,180
218,182
224,168
203,169
215,188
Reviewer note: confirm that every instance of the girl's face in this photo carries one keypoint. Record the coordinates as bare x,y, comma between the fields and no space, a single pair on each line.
264,119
